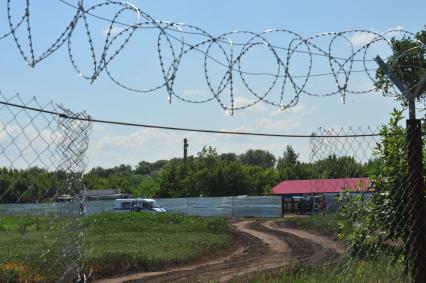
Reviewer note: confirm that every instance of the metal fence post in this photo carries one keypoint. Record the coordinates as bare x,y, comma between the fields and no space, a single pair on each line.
415,176
417,200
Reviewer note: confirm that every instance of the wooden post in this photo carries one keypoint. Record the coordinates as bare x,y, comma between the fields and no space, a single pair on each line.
185,148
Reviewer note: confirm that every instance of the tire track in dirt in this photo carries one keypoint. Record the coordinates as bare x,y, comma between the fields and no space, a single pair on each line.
264,245
249,247
271,254
324,249
320,240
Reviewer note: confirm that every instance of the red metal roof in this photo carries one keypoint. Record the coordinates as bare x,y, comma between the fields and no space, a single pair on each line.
291,187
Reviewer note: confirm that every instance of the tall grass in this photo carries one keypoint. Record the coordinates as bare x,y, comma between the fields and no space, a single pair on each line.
353,271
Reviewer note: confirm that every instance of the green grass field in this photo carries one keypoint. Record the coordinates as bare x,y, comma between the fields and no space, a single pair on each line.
38,248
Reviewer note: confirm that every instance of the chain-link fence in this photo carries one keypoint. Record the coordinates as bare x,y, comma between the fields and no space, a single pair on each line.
371,184
380,219
42,158
365,186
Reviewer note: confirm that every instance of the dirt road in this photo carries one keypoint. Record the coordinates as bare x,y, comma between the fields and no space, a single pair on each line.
262,245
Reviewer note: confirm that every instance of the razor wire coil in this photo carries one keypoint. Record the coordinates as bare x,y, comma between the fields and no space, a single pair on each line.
177,41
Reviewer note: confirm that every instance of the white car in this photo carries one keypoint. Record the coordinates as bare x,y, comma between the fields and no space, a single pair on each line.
137,204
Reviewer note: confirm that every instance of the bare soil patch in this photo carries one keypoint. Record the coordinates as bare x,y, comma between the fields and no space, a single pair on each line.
259,245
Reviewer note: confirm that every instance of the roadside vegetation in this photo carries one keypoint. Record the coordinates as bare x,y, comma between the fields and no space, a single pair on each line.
111,243
351,271
324,224
349,268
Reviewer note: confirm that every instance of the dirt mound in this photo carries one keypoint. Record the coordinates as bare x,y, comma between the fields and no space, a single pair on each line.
261,245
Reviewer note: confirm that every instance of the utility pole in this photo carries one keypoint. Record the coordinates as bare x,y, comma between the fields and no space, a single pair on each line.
185,149
415,178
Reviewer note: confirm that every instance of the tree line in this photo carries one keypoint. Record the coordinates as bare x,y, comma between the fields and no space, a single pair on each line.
208,173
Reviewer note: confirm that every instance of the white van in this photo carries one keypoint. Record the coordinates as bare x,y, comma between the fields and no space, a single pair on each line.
137,204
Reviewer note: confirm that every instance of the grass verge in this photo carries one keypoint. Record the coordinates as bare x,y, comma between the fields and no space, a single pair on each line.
40,248
324,224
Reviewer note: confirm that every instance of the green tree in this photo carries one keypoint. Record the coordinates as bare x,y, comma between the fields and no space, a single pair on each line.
228,157
290,157
288,166
261,180
147,168
147,187
408,64
334,167
258,157
374,226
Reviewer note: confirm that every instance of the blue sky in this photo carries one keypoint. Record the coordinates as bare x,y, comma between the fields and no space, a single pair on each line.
55,79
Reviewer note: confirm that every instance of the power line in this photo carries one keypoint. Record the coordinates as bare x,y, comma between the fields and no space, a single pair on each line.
110,122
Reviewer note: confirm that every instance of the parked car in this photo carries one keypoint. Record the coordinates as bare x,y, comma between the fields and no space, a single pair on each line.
138,204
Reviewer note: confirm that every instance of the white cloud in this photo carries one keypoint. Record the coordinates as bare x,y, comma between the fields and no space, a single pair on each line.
108,149
133,141
153,144
28,145
242,101
114,30
28,134
6,131
298,109
362,38
278,125
394,31
196,92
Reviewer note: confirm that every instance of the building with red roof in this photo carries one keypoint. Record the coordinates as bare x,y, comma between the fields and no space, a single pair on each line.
321,186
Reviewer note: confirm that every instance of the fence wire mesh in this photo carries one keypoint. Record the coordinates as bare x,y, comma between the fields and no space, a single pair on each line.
366,188
379,218
42,158
366,197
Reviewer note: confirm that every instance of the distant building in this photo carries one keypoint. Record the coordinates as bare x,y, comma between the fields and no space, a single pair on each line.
316,195
320,186
105,194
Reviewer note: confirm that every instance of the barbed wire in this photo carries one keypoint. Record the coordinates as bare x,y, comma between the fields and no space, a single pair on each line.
177,42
